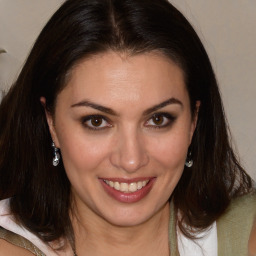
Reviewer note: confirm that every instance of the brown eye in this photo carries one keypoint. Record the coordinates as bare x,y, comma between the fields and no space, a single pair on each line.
96,121
158,119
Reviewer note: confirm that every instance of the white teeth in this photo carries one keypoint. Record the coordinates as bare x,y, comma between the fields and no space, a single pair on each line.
127,187
124,187
133,187
139,185
117,185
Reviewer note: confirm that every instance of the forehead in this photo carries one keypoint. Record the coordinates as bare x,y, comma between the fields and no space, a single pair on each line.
112,76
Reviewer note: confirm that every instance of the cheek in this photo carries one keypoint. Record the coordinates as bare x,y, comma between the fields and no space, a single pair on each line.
82,153
171,151
170,157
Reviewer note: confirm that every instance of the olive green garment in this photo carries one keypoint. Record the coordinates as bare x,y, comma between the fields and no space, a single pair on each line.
233,230
233,227
20,241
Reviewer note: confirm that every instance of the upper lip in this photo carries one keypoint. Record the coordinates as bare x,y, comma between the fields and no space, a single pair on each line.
124,180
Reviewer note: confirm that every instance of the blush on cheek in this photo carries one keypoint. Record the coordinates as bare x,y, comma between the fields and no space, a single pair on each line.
84,156
173,156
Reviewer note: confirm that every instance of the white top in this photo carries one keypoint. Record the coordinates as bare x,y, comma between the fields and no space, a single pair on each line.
205,245
7,222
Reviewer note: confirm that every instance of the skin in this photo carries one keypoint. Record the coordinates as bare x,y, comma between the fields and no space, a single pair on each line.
10,249
252,241
129,143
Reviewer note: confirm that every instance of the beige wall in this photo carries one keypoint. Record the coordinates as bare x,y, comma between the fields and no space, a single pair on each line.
20,23
228,31
227,28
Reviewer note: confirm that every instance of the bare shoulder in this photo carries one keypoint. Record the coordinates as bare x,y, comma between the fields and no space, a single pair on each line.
7,249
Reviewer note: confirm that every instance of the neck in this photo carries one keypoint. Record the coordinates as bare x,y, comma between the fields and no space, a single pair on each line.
95,236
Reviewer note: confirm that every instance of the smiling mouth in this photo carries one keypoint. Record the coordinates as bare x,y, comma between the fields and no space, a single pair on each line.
126,187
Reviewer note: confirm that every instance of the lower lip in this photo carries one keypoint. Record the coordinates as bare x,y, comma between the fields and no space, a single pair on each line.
131,197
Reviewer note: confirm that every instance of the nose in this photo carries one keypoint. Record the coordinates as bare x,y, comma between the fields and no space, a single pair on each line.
129,153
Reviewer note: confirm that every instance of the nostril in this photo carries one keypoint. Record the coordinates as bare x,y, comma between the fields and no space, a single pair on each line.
129,162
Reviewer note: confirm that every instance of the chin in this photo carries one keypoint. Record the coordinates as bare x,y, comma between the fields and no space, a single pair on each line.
129,217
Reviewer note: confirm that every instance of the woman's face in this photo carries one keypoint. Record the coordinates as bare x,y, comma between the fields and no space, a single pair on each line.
123,125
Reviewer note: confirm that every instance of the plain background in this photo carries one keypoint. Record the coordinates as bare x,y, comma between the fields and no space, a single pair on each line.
226,27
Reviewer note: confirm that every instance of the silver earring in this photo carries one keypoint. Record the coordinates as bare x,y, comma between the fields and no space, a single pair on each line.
56,157
189,162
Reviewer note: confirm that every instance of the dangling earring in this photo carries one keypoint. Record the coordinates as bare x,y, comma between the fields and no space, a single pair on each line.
189,162
56,158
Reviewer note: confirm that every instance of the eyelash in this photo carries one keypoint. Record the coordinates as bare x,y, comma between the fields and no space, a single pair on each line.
95,117
167,118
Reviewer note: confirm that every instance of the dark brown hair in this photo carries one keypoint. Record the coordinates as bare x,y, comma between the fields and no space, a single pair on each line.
40,193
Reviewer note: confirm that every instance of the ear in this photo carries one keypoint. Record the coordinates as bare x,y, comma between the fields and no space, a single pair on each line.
194,119
50,121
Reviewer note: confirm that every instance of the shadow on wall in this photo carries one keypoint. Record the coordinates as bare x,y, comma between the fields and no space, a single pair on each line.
1,95
9,70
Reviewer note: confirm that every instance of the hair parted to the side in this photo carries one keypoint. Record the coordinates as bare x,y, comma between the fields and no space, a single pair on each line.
80,28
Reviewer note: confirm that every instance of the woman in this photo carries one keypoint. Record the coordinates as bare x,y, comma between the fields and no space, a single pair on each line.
120,140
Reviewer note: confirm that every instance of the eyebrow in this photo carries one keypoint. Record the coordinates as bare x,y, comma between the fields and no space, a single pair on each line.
162,105
86,103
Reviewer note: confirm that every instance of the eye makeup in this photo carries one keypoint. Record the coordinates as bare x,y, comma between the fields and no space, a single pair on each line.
97,122
160,120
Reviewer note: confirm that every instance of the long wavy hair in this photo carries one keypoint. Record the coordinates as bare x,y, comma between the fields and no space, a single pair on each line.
40,193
